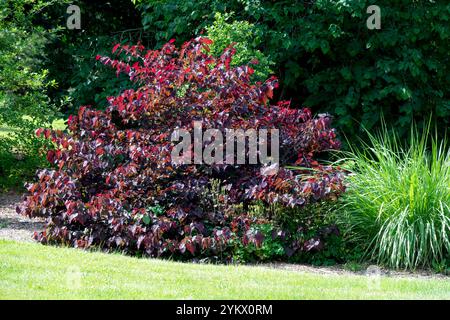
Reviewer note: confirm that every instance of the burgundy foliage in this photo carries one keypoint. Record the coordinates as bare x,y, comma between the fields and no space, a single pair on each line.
113,185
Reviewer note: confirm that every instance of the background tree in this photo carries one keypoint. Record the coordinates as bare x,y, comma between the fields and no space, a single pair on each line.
24,104
329,60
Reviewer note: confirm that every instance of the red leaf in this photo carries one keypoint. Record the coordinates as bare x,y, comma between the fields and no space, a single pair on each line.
51,156
190,246
115,48
207,41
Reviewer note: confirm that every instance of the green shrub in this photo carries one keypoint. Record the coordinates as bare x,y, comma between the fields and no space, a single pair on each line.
16,168
179,19
328,59
289,231
85,82
71,53
247,40
271,249
397,206
24,104
45,67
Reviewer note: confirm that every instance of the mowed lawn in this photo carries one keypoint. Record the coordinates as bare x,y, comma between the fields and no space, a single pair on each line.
34,271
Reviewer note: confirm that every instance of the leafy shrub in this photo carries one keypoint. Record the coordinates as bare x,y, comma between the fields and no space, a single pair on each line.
181,20
24,104
16,167
397,206
299,234
329,60
71,53
272,247
247,40
114,186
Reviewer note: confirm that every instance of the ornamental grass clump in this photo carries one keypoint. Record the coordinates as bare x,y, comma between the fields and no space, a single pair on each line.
397,206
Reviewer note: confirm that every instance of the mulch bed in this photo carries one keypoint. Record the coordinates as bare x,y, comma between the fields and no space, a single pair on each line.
12,225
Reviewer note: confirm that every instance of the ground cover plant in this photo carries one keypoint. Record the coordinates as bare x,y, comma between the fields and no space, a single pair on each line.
113,184
397,206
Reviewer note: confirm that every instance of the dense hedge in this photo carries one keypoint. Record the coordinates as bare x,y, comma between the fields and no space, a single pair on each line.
328,59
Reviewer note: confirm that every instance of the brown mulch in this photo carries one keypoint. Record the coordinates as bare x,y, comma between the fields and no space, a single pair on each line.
14,226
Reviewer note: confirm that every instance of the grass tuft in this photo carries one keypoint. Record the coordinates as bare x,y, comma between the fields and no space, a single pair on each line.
397,206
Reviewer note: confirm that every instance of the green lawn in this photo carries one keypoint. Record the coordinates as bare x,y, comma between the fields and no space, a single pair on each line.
33,271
